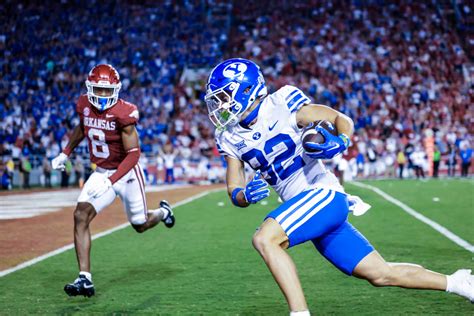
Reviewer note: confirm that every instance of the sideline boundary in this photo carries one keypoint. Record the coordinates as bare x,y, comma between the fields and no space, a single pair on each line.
439,228
98,235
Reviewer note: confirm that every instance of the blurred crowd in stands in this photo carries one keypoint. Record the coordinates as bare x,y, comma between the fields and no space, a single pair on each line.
393,68
396,68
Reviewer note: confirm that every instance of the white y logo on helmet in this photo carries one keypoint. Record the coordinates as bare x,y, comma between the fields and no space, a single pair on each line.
234,70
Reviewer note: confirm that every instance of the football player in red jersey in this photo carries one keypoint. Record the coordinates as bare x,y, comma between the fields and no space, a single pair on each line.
109,125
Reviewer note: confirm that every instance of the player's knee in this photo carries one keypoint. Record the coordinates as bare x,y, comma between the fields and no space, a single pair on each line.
264,239
258,242
139,228
83,212
261,242
139,223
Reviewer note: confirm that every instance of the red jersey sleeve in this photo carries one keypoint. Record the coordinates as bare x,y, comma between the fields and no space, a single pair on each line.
129,115
82,107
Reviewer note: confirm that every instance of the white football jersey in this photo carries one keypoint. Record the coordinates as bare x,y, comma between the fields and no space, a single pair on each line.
273,146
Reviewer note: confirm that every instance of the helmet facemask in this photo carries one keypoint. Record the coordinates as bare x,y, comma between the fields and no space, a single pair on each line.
223,109
103,95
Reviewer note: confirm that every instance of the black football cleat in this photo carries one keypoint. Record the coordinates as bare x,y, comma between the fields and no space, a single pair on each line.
81,286
168,220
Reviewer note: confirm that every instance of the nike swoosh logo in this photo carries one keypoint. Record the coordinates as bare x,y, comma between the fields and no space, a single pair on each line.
326,150
270,128
88,286
108,116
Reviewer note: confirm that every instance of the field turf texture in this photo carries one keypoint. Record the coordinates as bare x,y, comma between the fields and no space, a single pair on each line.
207,265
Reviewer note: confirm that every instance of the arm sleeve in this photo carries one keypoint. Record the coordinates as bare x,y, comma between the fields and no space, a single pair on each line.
130,160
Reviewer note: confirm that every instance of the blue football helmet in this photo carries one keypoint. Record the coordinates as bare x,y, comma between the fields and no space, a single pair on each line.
232,87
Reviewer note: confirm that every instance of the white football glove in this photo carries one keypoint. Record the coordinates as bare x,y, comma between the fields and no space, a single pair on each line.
357,206
99,187
59,162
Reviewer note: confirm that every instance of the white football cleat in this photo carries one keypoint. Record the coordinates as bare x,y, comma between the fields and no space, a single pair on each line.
461,283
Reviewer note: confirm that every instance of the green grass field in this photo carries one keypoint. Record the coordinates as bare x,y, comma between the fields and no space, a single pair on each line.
206,264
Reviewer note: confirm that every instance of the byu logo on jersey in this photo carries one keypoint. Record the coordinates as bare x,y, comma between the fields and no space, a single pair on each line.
240,145
234,70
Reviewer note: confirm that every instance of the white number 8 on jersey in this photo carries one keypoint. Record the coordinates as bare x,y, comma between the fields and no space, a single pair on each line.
99,146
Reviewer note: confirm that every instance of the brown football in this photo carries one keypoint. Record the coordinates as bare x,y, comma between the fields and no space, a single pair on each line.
310,135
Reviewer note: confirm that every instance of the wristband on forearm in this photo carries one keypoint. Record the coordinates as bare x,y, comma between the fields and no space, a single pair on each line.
67,151
234,194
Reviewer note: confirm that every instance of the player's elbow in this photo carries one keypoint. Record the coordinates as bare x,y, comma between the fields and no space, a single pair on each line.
229,194
237,203
351,123
348,123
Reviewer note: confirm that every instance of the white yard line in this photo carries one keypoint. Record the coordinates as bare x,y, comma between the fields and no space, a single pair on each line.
102,234
441,229
15,206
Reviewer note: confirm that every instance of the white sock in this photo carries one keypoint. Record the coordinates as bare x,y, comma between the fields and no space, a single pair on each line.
88,275
456,282
449,284
300,313
461,283
161,210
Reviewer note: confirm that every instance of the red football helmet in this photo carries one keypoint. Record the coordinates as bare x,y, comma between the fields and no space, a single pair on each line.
103,86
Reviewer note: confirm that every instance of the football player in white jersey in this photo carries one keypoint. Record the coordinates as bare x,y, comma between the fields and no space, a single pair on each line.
264,130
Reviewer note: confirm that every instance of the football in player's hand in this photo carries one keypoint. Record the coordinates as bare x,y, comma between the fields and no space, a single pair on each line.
311,135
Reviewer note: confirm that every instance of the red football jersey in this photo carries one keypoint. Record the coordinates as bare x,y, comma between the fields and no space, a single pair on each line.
103,130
